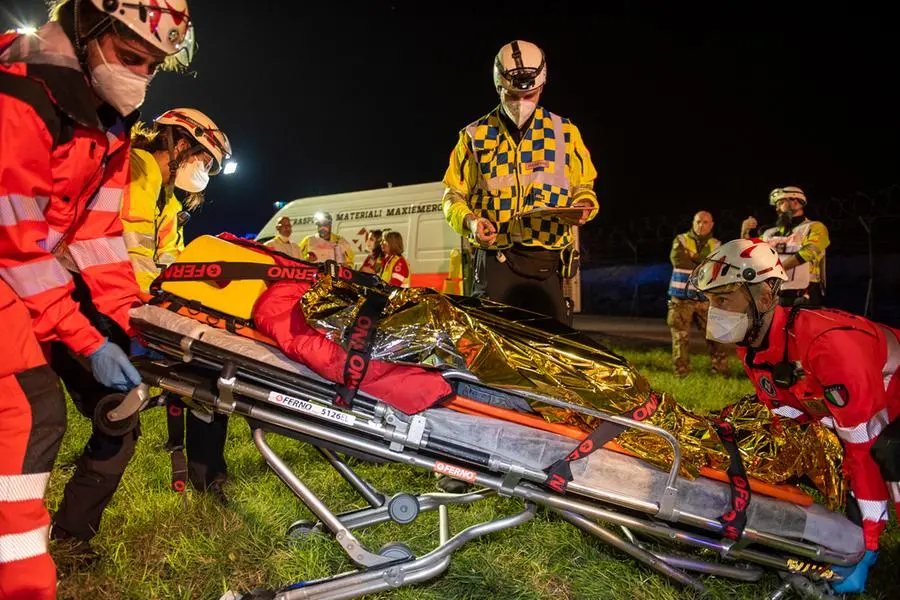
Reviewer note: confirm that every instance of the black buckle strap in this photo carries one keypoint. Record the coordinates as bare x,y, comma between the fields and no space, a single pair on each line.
360,338
559,474
735,520
232,271
344,273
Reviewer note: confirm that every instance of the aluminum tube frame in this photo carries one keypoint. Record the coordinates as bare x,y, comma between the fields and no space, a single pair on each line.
430,565
528,492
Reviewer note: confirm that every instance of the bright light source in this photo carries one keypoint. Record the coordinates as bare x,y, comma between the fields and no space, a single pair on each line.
230,167
26,30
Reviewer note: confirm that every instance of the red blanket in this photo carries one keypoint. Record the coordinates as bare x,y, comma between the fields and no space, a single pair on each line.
278,314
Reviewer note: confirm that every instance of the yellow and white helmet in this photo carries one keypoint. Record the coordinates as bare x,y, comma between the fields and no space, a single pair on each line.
203,130
790,192
165,24
520,67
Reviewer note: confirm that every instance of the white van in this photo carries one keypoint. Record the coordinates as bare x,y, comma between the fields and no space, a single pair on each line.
413,210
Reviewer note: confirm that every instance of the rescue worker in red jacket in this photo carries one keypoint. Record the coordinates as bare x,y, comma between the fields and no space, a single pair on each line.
68,95
814,364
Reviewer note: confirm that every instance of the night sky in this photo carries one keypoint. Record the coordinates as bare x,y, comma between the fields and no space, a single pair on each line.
680,111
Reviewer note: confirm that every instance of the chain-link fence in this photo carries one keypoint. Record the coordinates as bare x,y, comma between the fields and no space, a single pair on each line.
631,257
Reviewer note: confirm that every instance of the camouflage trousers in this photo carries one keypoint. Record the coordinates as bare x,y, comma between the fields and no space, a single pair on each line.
682,313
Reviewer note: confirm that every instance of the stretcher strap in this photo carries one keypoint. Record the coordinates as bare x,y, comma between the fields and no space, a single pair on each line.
349,275
232,271
559,474
360,338
175,443
735,520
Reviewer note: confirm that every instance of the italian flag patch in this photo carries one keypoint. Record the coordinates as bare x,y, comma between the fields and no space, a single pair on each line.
837,395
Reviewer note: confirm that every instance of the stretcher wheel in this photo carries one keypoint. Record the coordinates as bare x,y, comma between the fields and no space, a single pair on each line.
396,551
113,428
301,530
403,508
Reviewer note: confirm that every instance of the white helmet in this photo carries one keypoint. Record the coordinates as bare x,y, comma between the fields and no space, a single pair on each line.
165,24
203,130
790,192
520,67
738,261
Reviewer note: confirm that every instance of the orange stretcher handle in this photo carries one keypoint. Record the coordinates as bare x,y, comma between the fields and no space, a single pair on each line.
788,493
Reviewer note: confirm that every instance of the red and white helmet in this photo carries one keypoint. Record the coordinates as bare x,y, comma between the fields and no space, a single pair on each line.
738,261
520,67
165,24
791,192
203,130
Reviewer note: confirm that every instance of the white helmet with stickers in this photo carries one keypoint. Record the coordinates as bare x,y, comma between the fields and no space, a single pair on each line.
166,24
738,261
790,192
203,130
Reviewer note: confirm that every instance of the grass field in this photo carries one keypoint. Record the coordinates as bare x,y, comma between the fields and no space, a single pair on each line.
157,544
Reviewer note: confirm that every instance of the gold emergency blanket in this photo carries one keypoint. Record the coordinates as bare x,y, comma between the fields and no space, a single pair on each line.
519,350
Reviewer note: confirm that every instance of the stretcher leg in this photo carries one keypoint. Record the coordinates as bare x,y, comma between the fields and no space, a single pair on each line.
372,496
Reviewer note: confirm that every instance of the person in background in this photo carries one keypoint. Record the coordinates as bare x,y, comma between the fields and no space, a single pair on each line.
396,268
282,240
687,305
325,245
815,364
375,259
68,99
518,180
800,243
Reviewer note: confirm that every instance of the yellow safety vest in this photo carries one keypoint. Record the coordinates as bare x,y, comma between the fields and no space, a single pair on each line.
142,220
492,176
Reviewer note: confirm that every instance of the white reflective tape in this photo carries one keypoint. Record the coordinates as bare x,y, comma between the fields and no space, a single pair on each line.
54,237
135,239
16,208
16,488
827,422
106,199
19,546
101,251
788,412
873,510
678,285
864,432
36,277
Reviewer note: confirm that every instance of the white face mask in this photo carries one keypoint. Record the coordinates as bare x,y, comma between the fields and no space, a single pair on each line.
518,110
192,176
115,84
726,326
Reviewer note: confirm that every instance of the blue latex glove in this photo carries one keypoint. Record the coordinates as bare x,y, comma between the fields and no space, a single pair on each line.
855,577
112,368
139,350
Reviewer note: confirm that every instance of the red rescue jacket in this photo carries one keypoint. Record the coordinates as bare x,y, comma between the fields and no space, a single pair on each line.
849,383
63,169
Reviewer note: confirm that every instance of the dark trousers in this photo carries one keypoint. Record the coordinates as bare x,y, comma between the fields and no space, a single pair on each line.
102,463
205,445
498,282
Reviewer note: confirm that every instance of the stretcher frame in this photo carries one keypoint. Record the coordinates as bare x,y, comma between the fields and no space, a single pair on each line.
375,431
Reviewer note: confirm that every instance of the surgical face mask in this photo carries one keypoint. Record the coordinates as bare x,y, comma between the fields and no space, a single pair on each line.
192,176
518,109
116,84
726,326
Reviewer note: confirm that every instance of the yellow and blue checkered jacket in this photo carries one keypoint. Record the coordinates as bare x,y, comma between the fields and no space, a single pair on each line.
493,177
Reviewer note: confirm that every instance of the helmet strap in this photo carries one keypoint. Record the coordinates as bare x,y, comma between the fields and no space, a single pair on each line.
758,320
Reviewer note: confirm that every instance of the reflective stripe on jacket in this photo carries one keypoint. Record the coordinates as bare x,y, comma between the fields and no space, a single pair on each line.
492,176
62,175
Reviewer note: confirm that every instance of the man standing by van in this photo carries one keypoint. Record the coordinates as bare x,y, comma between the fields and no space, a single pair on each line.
324,245
519,178
282,241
